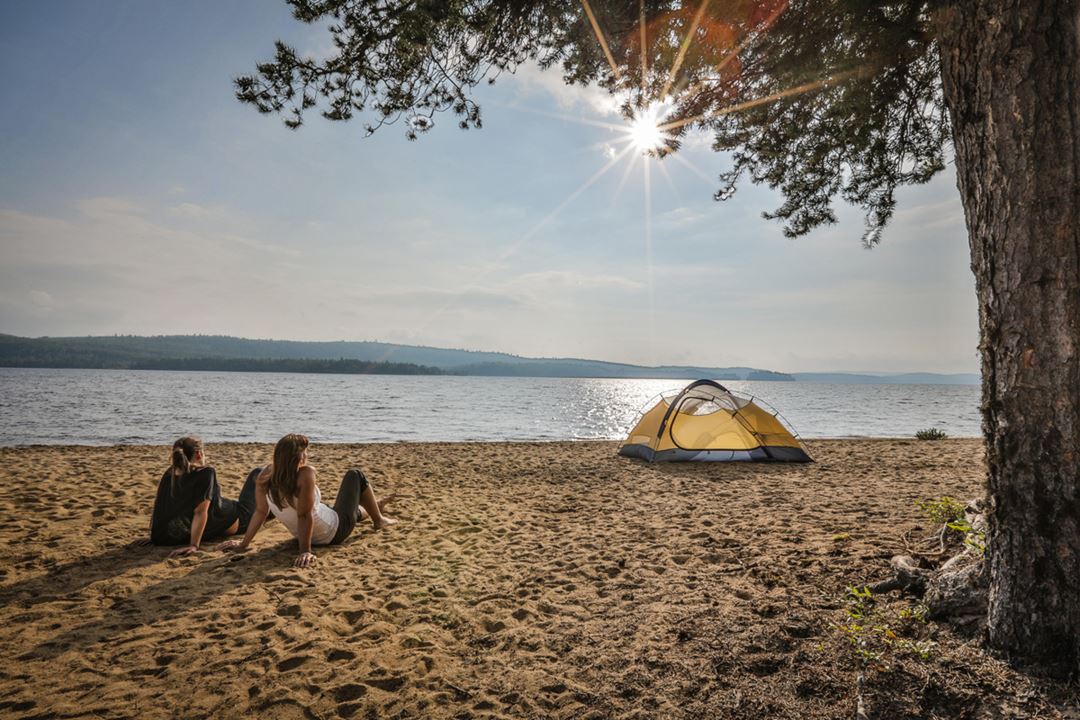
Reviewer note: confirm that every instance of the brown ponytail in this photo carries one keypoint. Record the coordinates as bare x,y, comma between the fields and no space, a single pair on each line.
183,452
287,452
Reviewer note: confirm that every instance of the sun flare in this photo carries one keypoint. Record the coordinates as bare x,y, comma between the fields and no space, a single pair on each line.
644,130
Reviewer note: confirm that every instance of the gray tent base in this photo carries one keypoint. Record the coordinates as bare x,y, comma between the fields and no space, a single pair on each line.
758,454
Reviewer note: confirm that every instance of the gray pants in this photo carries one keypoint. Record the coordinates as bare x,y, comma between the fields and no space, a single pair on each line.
347,504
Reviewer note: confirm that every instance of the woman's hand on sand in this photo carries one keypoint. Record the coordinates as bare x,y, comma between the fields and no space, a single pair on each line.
303,560
188,550
233,546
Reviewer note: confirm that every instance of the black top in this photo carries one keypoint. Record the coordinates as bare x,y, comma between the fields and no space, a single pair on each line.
173,510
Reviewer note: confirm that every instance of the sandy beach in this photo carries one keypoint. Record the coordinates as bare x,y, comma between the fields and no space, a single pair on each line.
547,580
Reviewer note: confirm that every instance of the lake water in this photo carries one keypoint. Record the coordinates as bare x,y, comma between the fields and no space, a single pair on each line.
102,407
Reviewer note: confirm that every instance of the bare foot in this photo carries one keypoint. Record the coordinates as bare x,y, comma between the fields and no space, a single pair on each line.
387,521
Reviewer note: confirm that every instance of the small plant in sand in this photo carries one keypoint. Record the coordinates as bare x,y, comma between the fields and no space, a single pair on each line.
931,434
879,635
950,514
942,510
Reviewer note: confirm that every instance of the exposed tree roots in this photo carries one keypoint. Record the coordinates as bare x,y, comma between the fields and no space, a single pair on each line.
955,590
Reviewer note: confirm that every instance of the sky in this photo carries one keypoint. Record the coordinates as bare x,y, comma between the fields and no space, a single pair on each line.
138,196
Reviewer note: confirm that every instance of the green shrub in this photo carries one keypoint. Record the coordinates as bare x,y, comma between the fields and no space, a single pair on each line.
931,434
878,634
942,510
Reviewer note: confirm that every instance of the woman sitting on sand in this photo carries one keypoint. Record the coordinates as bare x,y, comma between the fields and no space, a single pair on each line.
288,487
189,506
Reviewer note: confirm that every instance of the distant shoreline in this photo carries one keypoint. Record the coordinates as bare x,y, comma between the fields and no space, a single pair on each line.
358,367
226,354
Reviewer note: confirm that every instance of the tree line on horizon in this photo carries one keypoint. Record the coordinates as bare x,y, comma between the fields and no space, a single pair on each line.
343,366
210,352
133,352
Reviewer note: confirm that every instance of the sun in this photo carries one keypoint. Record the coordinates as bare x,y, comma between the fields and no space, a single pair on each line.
645,132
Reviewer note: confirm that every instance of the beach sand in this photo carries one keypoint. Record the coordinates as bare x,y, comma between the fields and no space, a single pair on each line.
525,580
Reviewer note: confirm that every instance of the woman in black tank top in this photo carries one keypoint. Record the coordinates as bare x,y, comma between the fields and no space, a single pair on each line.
189,506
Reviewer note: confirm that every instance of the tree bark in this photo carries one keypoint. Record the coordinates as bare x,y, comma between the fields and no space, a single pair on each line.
1011,77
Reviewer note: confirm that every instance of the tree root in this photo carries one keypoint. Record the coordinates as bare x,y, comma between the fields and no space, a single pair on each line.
908,578
957,589
860,704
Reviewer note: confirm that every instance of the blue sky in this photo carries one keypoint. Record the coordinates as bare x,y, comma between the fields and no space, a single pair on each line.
138,196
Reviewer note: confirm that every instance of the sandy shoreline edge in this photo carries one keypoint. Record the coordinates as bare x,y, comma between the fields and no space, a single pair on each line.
526,580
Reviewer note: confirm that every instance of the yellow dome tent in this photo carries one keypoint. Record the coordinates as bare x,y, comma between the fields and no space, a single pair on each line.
707,422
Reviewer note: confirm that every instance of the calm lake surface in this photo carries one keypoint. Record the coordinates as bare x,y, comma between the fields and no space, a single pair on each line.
103,407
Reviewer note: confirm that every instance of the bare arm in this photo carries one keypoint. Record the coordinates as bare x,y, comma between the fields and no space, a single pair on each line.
198,522
198,526
305,508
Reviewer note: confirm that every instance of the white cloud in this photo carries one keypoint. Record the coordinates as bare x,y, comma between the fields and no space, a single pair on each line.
190,210
41,299
945,215
118,265
679,218
531,79
562,280
428,300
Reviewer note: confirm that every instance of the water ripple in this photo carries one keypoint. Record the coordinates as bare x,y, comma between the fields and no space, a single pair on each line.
98,407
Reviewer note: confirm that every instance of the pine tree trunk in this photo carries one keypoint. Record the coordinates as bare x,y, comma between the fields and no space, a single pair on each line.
1011,71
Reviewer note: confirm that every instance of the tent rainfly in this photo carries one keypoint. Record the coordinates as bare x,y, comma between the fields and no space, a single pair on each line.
707,422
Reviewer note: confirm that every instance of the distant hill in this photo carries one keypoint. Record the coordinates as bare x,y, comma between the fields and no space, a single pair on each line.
221,352
769,375
190,351
339,367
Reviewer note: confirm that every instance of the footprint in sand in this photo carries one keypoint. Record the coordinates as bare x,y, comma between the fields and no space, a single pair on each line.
292,663
387,684
494,626
21,706
290,611
766,666
349,693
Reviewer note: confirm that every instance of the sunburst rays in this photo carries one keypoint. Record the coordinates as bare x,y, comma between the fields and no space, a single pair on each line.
642,137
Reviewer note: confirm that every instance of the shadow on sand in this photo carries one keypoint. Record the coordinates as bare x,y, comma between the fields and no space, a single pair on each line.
214,575
60,581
